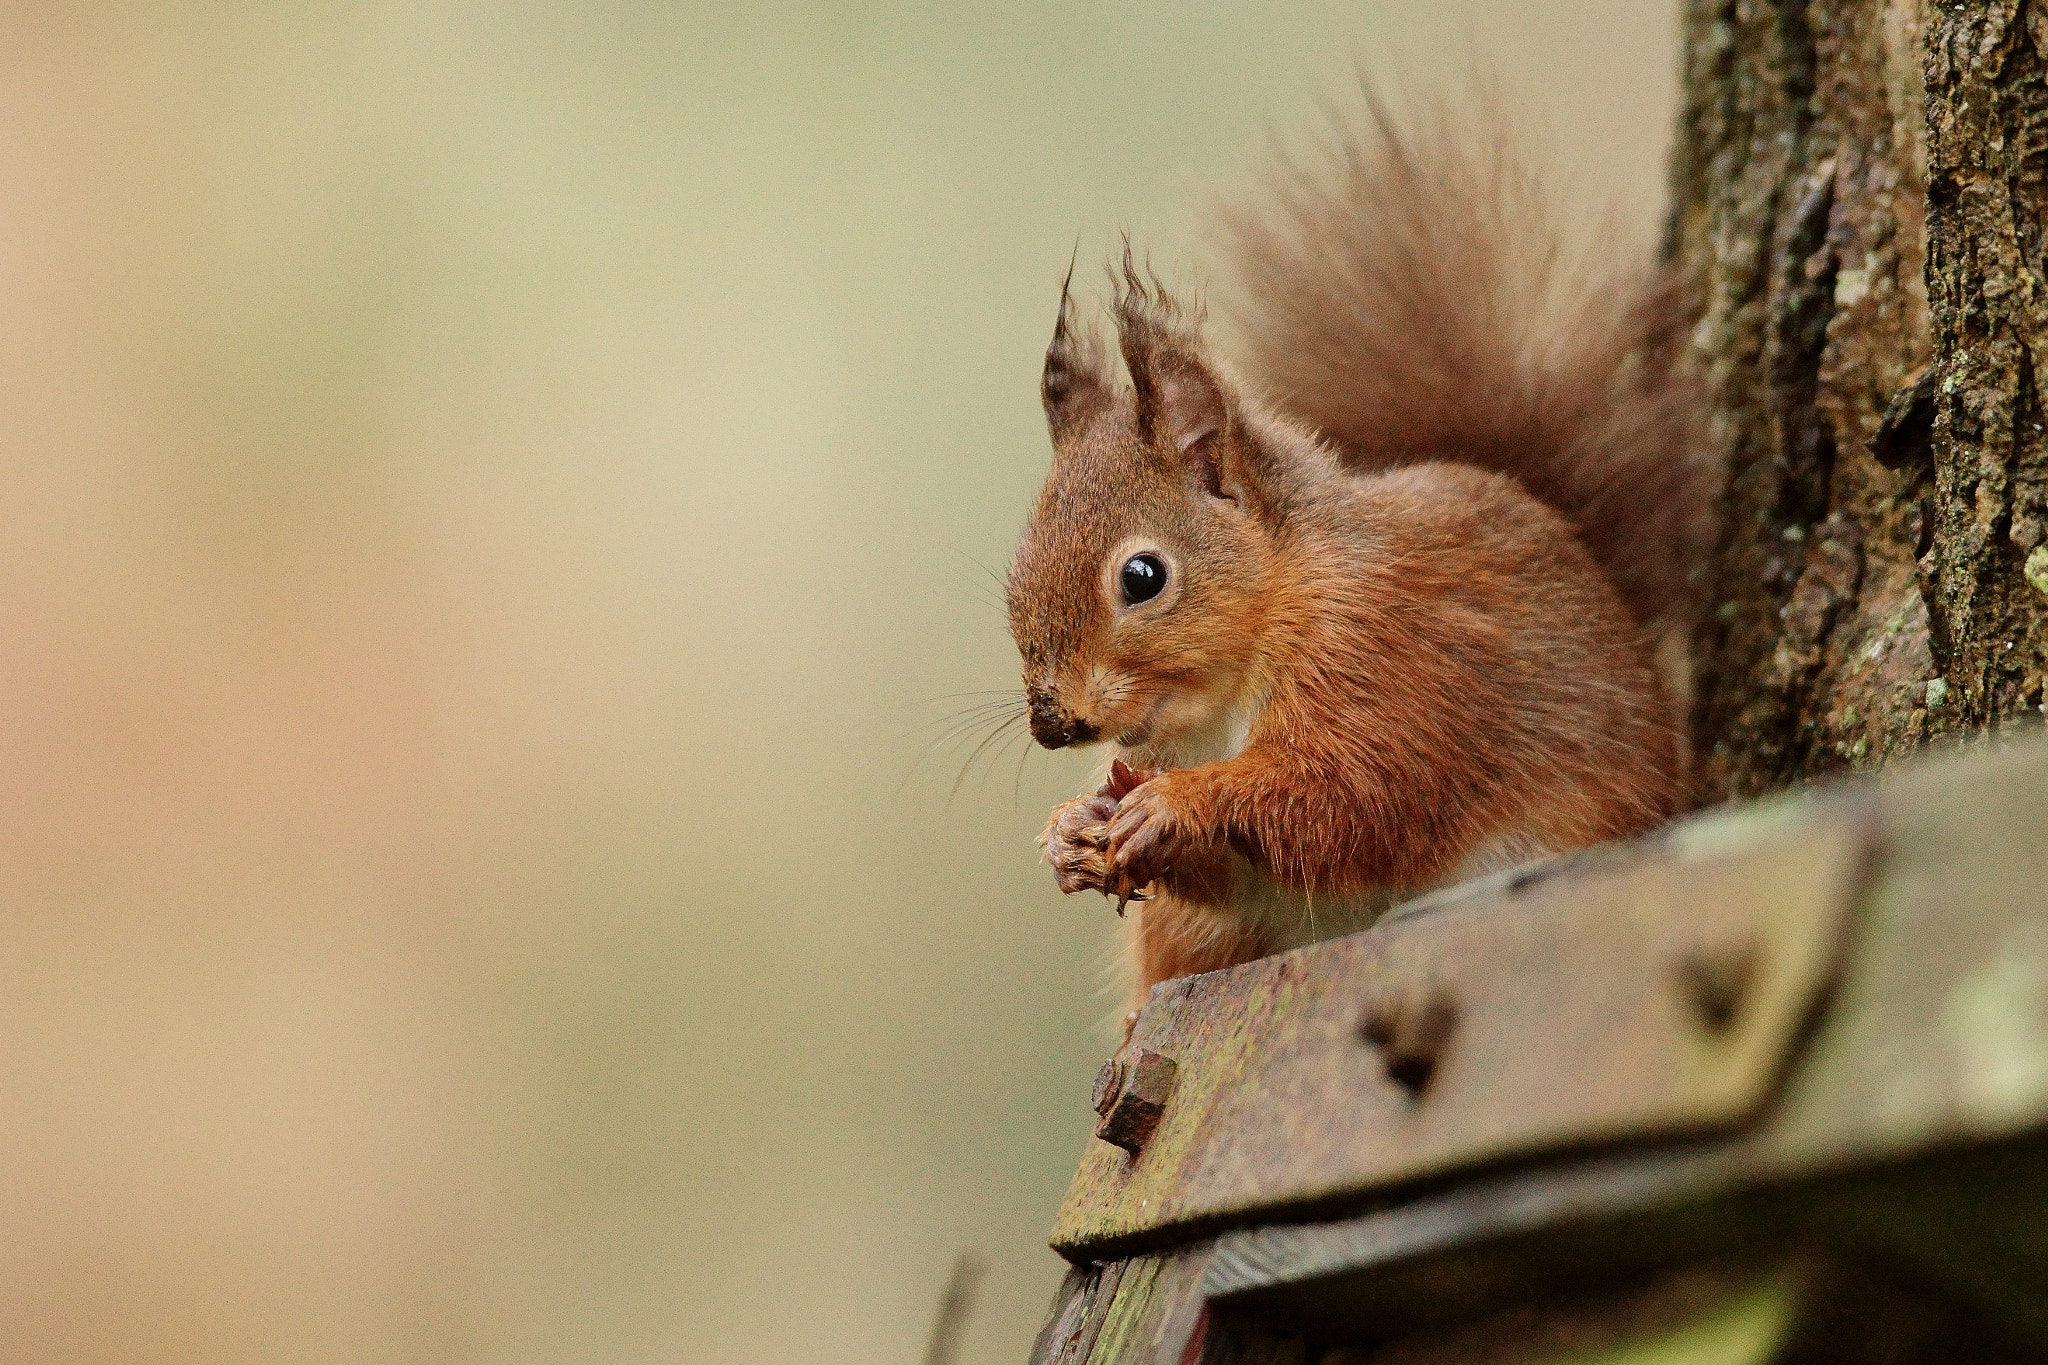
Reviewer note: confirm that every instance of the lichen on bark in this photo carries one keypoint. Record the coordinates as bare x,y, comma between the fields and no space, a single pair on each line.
1987,471
1798,229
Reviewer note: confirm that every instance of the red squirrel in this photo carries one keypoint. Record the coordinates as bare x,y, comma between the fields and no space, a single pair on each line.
1401,597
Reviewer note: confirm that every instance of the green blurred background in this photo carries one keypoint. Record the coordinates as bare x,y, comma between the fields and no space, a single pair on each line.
495,498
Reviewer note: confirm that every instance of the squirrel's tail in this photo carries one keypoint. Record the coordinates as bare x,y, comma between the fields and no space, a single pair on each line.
1409,296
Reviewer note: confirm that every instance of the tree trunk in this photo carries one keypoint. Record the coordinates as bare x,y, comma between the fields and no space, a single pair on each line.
1986,573
1872,587
1798,222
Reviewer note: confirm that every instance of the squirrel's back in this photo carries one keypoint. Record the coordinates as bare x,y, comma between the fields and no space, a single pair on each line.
1409,296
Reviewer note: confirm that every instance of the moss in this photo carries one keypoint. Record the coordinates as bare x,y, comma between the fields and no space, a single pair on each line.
2037,568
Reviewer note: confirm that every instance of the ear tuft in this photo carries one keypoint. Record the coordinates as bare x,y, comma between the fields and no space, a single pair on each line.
1181,402
1073,385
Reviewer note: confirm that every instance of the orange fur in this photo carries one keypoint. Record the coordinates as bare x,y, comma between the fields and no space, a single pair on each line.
1408,641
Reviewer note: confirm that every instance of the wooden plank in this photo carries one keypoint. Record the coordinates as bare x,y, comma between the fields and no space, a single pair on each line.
1915,1126
1965,1227
1578,1027
1159,1309
1056,1338
1710,947
1143,1310
1733,1315
1910,1131
1078,1312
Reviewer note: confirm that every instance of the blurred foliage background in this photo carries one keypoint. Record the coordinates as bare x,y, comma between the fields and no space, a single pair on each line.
496,497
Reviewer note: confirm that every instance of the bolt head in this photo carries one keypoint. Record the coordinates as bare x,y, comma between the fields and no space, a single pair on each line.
1134,1109
1108,1082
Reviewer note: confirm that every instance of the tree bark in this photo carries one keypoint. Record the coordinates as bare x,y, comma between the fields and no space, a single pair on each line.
1799,227
1986,570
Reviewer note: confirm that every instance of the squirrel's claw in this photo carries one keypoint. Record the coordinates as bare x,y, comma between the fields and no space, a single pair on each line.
1126,894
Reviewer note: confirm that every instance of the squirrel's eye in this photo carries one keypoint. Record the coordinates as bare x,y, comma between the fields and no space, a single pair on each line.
1143,577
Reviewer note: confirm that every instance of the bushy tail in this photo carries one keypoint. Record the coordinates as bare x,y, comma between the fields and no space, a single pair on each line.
1408,294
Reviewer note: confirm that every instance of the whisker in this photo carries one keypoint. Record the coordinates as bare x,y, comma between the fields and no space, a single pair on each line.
989,599
999,733
1017,782
1005,703
975,734
1003,700
953,725
993,576
963,726
996,596
958,728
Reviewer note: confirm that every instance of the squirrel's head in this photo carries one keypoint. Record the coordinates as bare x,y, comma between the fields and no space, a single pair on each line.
1137,594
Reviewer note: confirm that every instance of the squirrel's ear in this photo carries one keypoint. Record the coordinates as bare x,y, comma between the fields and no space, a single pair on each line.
1182,404
1194,415
1073,385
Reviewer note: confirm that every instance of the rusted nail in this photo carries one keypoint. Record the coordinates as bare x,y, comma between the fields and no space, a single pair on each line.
1411,1027
1717,978
1108,1082
1131,1100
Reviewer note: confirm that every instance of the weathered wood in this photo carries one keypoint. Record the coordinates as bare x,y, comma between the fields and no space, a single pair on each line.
1911,1130
1576,1029
1785,1306
1987,561
1966,1224
1706,1314
1077,1314
1231,1340
1299,1081
1797,225
1136,1311
1939,1262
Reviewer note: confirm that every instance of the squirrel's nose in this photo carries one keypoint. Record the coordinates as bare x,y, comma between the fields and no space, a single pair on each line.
1052,726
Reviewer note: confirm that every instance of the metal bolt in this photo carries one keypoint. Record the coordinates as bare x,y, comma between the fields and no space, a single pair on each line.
1108,1082
1717,978
1410,1026
1131,1095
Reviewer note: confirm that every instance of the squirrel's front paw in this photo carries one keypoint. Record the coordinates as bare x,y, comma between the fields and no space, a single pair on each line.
1152,832
1076,843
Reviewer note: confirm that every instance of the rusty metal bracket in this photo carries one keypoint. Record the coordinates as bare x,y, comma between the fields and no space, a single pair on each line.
1649,993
